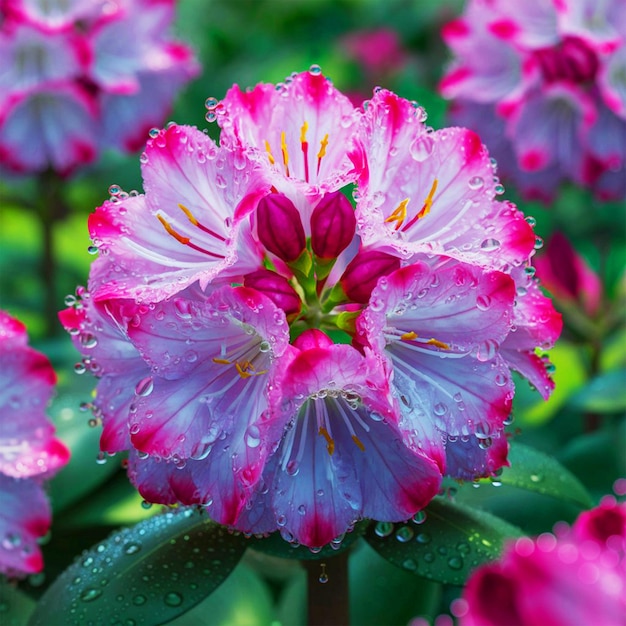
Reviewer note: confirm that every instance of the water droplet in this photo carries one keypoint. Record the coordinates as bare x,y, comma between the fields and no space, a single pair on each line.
153,133
383,529
88,340
419,517
173,599
429,557
476,182
115,190
484,444
455,562
90,594
144,387
422,147
132,547
531,221
315,69
487,350
499,189
538,243
80,368
489,245
404,534
139,599
440,409
536,478
210,116
423,538
210,102
253,436
410,565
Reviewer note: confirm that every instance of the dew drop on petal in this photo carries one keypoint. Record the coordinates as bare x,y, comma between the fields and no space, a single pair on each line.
315,70
144,387
253,436
476,182
483,302
422,147
489,245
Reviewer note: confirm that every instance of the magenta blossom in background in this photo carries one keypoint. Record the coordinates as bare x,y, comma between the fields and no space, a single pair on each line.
568,276
294,359
575,576
29,452
80,77
544,86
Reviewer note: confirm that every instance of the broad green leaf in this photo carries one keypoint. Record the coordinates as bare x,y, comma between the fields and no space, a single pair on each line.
535,471
15,606
604,394
277,546
444,543
148,574
242,600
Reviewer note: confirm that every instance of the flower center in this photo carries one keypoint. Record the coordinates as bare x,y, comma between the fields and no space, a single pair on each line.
572,60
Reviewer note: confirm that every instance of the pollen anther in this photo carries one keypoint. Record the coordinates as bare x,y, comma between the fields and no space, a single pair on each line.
438,344
358,443
330,442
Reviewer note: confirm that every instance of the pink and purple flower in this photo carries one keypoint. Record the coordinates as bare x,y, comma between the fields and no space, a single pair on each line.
544,86
29,451
575,576
77,78
293,360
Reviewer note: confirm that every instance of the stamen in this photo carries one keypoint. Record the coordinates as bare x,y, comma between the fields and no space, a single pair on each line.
359,443
330,443
191,217
399,214
438,344
305,149
283,148
268,149
322,153
428,203
185,240
409,336
221,361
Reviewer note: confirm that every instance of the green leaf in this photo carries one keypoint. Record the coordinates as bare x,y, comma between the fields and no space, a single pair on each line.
446,543
604,394
275,545
242,600
15,606
148,574
535,471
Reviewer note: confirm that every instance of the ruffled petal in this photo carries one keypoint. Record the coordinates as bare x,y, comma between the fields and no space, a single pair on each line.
24,518
436,195
187,228
299,130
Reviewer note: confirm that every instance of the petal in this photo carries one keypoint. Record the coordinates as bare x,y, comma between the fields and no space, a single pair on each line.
468,458
300,130
434,192
187,228
210,362
344,457
24,518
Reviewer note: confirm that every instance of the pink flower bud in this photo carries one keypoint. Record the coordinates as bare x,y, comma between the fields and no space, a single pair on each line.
279,227
567,275
332,225
312,338
277,289
363,272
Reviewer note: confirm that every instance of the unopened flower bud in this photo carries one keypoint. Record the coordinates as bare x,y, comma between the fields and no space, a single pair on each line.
332,225
364,271
277,289
279,227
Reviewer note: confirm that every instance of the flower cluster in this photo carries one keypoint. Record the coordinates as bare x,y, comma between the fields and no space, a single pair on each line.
78,77
29,452
575,576
292,362
544,86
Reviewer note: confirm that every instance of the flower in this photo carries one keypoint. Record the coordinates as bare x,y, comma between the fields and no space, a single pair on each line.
542,86
575,576
67,90
292,362
29,452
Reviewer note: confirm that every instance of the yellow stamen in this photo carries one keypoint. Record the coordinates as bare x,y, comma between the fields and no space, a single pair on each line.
245,369
303,130
438,344
408,336
221,361
330,443
359,443
171,231
189,214
283,148
322,153
428,203
399,214
269,152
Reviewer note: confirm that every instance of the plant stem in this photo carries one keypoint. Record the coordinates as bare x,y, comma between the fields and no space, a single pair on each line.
327,588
